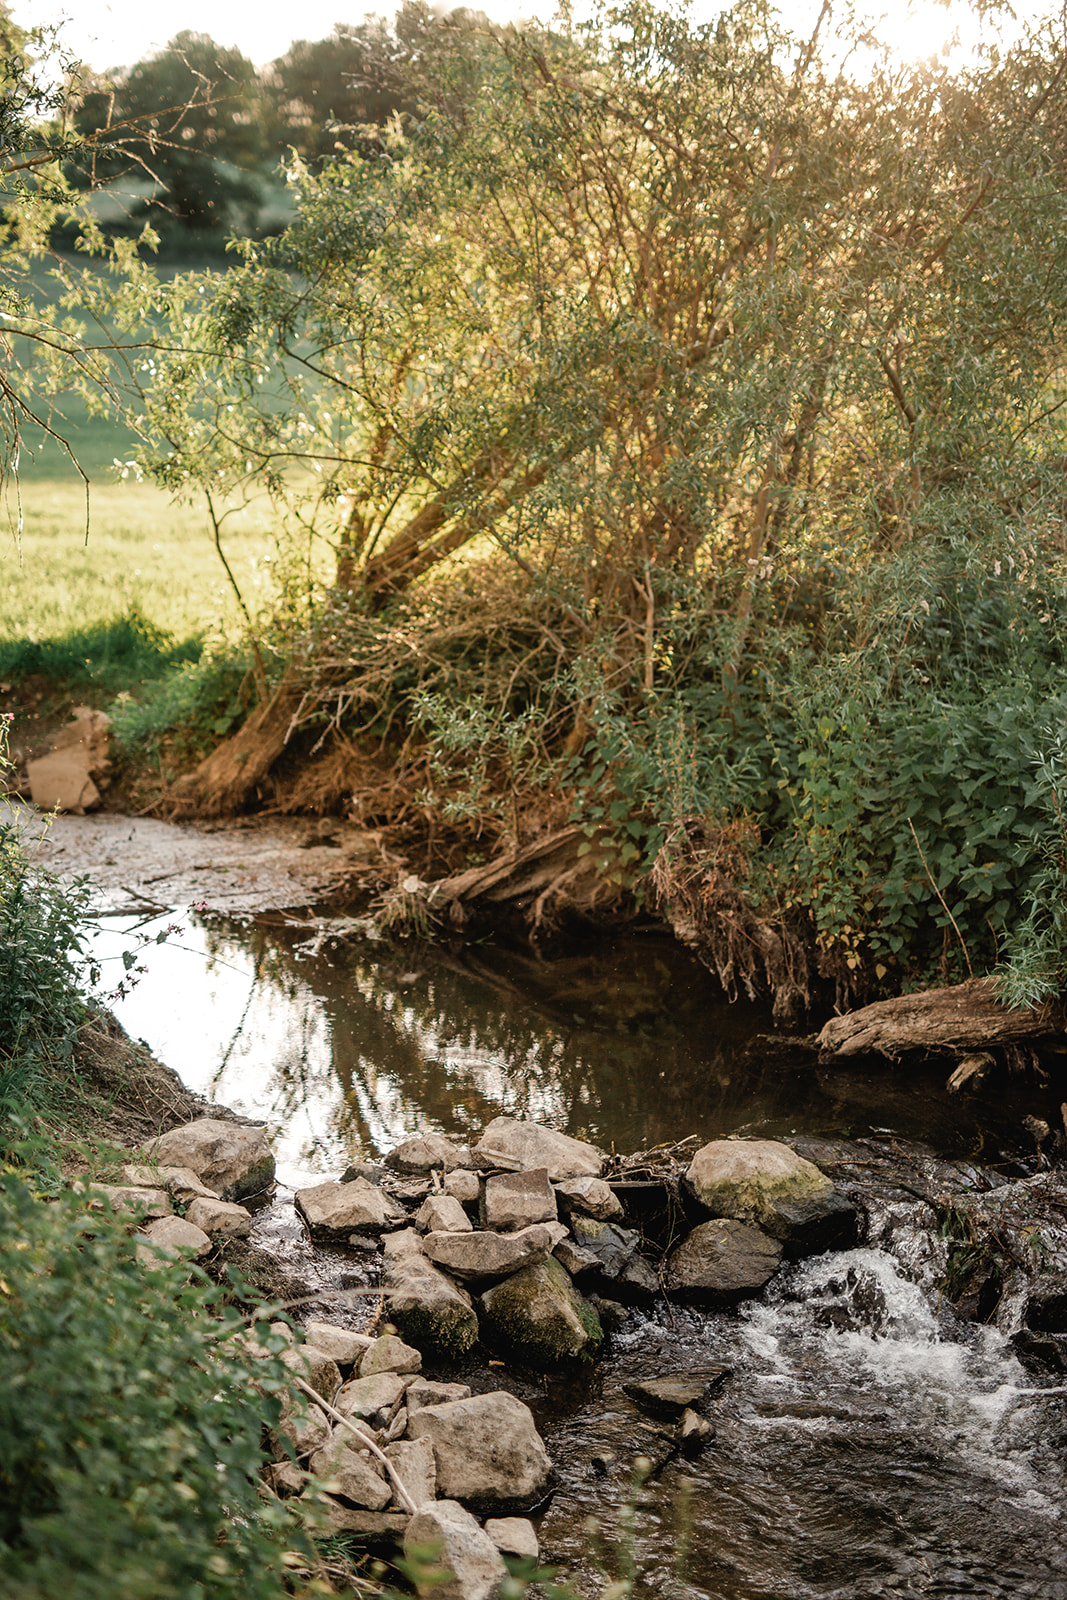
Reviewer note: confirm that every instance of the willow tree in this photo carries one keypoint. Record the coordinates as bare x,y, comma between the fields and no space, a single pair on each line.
645,302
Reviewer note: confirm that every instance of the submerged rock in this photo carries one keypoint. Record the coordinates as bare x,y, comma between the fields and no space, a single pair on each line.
766,1183
722,1262
671,1398
524,1146
473,1565
228,1157
539,1316
488,1450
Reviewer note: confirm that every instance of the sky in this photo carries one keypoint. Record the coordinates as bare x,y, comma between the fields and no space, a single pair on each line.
111,33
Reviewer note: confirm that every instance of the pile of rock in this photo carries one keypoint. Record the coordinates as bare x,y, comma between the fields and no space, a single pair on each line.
384,1453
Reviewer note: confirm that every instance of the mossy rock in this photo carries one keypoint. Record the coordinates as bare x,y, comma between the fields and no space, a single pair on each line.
538,1316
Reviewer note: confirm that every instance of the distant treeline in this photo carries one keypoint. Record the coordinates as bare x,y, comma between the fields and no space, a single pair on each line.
201,132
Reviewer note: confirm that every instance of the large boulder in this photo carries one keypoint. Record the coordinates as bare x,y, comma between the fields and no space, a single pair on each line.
538,1316
469,1565
722,1262
524,1146
334,1210
767,1183
431,1311
481,1255
516,1200
228,1157
488,1450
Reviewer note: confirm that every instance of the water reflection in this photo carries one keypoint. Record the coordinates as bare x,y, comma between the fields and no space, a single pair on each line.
626,1043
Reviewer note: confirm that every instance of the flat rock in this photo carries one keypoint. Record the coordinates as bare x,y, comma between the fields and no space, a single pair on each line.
232,1159
344,1346
181,1183
131,1197
426,1152
442,1213
473,1564
515,1200
334,1210
431,1311
171,1236
480,1255
378,1528
374,1399
722,1262
766,1183
389,1354
538,1316
590,1195
430,1392
488,1450
347,1471
672,1397
222,1219
514,1536
524,1146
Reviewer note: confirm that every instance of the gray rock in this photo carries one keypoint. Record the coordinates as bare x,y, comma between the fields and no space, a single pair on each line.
374,1400
389,1354
487,1449
413,1462
516,1200
347,1471
621,1270
333,1210
232,1159
592,1196
304,1427
672,1397
523,1146
463,1186
722,1262
433,1313
285,1477
427,1392
376,1528
316,1368
473,1256
181,1183
539,1317
171,1237
221,1219
574,1259
515,1536
406,1242
768,1184
129,1197
427,1151
442,1213
474,1564
346,1348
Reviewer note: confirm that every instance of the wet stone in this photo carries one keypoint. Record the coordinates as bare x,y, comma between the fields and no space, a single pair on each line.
540,1318
620,1270
671,1397
722,1262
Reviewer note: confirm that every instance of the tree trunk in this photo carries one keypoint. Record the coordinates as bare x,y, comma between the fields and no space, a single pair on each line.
224,783
965,1017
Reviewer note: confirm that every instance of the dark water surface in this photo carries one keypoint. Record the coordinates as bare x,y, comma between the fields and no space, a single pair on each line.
867,1443
626,1043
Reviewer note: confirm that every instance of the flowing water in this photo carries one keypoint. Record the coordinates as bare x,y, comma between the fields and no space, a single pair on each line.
867,1442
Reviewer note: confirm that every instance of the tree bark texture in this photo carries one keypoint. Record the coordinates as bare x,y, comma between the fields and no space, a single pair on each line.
964,1017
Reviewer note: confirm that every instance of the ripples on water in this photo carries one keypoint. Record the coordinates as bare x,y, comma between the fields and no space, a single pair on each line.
861,1449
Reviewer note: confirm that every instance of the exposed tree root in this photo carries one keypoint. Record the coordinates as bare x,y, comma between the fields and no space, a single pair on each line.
228,780
555,876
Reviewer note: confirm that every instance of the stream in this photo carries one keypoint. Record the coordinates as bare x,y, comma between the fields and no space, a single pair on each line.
867,1441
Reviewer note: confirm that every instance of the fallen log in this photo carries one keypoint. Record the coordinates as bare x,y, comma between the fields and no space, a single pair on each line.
967,1016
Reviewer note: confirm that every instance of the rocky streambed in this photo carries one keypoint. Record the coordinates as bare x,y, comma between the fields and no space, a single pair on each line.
505,1337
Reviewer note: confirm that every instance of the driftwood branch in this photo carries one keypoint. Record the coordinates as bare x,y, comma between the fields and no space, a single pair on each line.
967,1016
